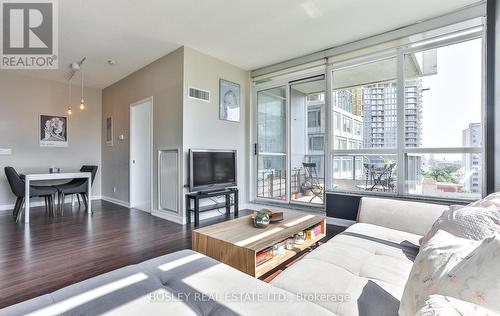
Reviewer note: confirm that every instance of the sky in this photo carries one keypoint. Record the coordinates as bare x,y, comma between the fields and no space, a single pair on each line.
454,96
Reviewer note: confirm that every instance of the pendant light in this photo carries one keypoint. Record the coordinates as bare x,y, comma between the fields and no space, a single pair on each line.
75,67
82,100
69,111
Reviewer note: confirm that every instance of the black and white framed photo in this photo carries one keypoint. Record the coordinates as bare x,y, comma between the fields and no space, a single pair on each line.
109,131
53,131
229,101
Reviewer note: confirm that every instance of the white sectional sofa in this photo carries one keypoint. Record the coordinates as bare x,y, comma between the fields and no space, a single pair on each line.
361,271
181,283
370,261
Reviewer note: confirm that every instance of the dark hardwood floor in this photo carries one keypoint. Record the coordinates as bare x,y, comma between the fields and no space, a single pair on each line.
51,253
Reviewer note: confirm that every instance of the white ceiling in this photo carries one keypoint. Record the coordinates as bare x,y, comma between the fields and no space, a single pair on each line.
248,34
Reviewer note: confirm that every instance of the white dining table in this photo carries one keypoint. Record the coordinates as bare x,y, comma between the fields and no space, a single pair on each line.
54,176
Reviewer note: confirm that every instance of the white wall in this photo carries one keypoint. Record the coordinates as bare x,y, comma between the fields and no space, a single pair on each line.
22,100
202,128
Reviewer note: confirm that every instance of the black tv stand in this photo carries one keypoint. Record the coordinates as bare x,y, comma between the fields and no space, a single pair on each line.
197,209
208,191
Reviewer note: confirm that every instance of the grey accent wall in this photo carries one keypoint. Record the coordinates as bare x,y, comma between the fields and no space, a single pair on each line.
202,127
163,80
179,122
22,99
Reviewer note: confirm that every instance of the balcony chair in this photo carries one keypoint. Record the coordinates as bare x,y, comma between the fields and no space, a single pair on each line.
312,182
378,177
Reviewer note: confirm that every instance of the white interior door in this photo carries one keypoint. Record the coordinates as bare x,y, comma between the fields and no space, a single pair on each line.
141,153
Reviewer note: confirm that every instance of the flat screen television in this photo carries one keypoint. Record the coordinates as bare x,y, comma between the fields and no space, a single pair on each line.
211,170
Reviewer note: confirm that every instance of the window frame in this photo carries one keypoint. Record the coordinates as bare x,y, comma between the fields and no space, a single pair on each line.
311,142
317,118
285,78
401,151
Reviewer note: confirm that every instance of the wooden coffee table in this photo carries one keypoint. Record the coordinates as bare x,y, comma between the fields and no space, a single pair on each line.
237,242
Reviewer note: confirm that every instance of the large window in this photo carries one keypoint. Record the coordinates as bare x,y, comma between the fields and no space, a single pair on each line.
443,121
421,134
403,121
364,149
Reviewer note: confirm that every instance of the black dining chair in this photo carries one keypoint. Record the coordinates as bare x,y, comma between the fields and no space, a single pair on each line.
17,186
76,186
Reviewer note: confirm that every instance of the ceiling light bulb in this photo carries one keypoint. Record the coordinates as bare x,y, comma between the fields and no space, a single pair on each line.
69,111
82,105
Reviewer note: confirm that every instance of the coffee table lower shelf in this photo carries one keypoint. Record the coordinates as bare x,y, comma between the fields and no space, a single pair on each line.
273,263
237,242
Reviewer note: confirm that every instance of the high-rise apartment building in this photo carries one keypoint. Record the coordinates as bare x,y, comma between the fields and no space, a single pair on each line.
380,121
350,100
365,117
471,137
380,115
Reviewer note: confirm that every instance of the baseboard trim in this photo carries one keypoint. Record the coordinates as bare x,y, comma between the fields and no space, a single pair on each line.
115,201
339,222
10,207
169,217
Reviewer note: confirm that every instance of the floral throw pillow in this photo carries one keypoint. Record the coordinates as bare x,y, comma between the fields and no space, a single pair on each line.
434,261
468,222
476,279
449,306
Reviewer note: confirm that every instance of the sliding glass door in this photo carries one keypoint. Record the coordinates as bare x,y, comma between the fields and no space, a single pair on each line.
307,141
291,127
271,144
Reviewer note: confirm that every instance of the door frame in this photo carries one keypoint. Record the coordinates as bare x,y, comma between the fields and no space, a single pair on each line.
151,119
286,81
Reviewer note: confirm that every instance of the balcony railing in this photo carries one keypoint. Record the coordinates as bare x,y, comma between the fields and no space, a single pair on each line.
271,184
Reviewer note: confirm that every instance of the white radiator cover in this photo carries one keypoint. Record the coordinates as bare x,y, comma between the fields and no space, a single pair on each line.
168,180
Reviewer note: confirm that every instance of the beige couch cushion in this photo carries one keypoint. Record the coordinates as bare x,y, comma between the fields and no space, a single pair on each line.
366,267
413,217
